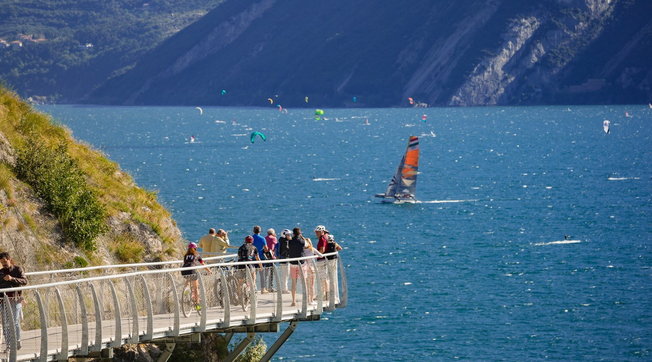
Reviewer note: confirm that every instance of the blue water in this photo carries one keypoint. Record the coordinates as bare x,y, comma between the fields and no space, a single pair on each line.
478,278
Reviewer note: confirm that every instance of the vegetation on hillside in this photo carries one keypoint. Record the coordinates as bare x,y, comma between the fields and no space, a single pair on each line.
56,178
80,186
69,46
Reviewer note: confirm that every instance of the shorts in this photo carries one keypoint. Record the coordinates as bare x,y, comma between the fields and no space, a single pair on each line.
191,277
294,270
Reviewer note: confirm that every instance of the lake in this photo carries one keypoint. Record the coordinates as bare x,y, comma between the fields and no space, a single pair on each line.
480,270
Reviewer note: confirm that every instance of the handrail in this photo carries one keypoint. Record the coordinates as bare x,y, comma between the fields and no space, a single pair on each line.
159,271
135,265
154,304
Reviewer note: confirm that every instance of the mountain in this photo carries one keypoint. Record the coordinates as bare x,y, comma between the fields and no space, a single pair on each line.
378,53
63,204
59,50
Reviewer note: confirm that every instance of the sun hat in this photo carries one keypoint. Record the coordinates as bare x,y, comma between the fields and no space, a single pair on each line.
320,228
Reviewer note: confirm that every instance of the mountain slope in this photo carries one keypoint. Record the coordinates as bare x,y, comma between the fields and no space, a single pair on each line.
472,52
33,228
68,47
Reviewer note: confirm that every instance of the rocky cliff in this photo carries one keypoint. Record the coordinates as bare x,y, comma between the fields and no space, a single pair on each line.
136,227
379,53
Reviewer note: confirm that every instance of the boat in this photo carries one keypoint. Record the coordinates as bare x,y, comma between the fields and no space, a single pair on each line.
402,187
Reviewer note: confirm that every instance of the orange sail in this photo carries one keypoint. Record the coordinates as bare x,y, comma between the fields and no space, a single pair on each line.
403,185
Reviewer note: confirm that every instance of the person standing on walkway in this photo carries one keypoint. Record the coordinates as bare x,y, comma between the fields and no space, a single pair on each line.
271,243
283,252
331,260
297,244
11,276
261,245
322,267
206,242
222,242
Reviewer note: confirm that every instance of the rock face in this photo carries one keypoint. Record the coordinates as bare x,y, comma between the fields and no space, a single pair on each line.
7,152
470,52
488,81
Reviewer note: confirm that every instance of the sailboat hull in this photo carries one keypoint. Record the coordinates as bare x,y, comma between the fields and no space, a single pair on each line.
398,201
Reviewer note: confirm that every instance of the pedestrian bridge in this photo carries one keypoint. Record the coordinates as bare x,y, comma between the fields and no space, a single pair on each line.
89,311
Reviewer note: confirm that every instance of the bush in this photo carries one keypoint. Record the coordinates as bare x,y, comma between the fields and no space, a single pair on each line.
127,249
57,179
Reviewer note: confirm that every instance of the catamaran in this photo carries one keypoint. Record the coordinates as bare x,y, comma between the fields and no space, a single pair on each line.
402,187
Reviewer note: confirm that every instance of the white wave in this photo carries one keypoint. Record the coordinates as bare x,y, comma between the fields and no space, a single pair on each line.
326,179
239,134
623,178
559,242
445,201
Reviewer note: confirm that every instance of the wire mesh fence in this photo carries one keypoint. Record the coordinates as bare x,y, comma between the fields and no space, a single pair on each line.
91,313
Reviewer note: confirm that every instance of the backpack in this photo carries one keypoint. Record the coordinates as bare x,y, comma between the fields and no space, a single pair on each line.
331,247
246,252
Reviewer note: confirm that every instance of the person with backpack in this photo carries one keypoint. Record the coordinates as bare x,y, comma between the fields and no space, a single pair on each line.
248,252
283,252
299,247
331,263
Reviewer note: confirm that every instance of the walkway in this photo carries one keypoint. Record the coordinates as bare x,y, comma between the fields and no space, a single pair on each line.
155,305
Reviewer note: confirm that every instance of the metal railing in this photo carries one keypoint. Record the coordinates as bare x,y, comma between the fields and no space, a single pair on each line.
70,273
75,317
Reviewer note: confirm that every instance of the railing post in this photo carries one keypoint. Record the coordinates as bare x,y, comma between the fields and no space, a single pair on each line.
63,354
252,296
150,313
279,294
175,329
117,341
304,284
10,318
318,286
43,355
226,297
345,291
98,320
135,333
84,318
202,302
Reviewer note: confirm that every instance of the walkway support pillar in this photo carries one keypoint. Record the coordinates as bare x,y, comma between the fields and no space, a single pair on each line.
240,347
279,342
167,352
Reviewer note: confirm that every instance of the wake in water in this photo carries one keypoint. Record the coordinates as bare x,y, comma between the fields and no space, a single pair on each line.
444,201
325,179
623,178
559,242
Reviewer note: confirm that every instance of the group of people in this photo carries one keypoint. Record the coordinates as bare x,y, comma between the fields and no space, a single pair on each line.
290,245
